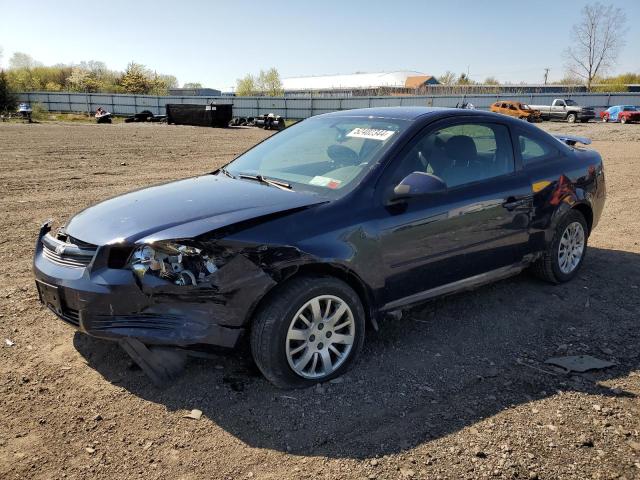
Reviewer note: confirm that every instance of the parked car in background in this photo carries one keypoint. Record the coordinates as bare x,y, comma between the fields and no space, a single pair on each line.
565,109
516,109
316,233
621,113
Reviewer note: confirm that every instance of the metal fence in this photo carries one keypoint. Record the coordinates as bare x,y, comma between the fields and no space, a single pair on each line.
299,108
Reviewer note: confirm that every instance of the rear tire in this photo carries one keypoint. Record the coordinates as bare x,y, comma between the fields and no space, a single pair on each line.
549,266
295,348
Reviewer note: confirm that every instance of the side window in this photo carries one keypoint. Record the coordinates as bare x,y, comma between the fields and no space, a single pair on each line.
534,150
512,107
460,154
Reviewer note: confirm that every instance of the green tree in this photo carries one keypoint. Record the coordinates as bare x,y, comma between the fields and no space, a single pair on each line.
246,87
52,87
136,79
7,99
491,81
83,81
269,83
192,85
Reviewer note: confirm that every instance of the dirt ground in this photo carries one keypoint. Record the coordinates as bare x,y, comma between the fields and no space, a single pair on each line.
456,389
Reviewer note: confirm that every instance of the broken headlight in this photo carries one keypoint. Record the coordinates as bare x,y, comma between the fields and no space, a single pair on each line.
174,262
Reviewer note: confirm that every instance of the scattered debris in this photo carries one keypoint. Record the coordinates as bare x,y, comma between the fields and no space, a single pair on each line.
8,342
480,454
585,441
195,414
90,450
579,363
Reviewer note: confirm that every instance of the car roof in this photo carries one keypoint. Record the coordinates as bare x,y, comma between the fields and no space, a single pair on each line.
399,113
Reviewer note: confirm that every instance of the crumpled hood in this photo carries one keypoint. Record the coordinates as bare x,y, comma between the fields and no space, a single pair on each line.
182,209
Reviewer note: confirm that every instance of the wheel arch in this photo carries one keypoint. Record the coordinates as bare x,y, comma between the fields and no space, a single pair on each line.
322,269
566,206
587,212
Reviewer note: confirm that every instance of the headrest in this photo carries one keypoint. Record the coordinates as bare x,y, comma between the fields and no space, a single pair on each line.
461,147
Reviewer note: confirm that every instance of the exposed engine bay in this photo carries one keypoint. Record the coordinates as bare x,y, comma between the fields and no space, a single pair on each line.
179,264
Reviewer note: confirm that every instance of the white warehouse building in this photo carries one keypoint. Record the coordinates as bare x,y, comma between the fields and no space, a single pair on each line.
358,83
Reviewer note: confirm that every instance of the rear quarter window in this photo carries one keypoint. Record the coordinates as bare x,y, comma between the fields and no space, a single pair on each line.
533,150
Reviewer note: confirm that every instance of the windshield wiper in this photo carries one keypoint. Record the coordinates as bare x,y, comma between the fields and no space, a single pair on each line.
268,181
226,172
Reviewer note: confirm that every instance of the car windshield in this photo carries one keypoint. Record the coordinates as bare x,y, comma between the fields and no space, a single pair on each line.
571,103
324,155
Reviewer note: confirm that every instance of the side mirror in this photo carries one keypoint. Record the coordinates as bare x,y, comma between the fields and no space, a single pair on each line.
417,184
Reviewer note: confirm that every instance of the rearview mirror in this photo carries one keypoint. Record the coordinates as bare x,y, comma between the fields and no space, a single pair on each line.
416,184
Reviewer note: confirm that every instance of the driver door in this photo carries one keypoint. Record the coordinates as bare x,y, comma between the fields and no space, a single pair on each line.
478,224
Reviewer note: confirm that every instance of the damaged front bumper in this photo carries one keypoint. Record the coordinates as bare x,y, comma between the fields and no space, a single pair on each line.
109,303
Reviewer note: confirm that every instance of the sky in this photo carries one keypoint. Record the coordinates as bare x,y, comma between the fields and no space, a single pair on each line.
217,42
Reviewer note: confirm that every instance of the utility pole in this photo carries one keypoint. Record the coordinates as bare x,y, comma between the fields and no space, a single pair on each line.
546,75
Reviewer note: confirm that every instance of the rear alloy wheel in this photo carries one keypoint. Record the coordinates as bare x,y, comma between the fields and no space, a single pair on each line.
564,255
309,331
571,118
571,247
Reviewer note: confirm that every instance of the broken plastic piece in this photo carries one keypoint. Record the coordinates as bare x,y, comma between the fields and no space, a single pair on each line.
579,363
160,364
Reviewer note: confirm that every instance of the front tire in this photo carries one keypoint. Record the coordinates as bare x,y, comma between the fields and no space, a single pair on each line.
310,331
571,118
564,255
623,119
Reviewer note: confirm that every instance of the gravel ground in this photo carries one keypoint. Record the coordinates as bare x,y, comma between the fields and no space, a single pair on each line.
456,389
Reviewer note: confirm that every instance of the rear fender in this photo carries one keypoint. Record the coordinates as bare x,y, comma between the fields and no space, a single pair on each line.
568,203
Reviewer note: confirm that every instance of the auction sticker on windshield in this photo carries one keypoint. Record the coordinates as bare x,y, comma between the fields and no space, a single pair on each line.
325,182
371,133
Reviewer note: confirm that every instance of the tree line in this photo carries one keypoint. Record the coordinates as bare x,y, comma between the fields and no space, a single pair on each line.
26,75
616,83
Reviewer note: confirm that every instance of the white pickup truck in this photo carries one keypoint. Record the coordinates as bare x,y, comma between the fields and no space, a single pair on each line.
565,109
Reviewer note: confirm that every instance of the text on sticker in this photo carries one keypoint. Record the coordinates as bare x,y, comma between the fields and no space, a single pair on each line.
371,133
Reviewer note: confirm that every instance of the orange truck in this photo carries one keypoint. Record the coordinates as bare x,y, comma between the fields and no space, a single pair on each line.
516,109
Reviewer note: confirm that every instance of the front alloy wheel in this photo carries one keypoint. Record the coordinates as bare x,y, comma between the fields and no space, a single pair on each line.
309,330
320,337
